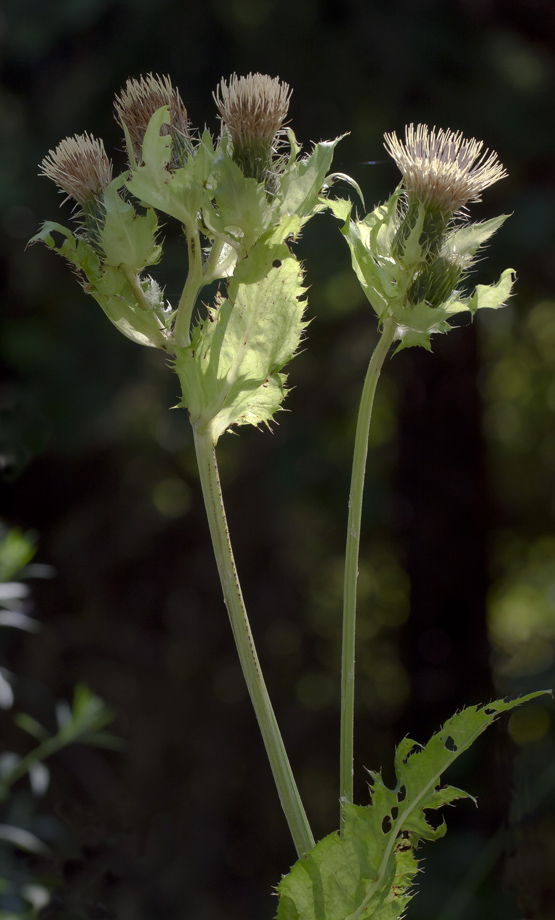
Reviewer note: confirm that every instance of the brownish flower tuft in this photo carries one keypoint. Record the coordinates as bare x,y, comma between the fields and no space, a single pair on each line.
441,168
138,102
253,109
80,167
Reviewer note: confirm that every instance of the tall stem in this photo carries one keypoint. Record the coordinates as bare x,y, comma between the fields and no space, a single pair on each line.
351,561
279,762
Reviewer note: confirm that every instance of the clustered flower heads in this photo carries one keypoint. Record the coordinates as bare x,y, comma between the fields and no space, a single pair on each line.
229,194
442,168
253,110
80,167
233,192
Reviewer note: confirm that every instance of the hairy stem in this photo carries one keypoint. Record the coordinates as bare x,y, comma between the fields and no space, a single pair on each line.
279,762
351,561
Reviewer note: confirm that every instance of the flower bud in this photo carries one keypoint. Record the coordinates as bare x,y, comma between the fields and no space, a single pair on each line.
80,167
442,172
253,110
138,102
442,169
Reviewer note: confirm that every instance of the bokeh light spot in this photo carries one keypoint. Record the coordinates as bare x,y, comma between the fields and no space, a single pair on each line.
529,724
172,497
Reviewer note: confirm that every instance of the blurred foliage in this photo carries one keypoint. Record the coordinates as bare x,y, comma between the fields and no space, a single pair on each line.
26,886
459,501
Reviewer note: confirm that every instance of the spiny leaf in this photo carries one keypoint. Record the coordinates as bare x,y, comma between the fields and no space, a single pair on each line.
110,288
180,193
493,296
243,213
387,277
230,374
369,870
467,240
302,181
128,238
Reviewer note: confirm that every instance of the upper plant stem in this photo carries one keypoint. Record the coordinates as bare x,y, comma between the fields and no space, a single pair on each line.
279,762
195,281
351,561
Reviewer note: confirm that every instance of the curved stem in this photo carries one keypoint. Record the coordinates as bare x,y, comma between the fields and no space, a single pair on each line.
279,762
211,264
133,281
351,561
195,281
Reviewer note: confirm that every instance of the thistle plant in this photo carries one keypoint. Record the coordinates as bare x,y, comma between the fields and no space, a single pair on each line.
410,255
241,200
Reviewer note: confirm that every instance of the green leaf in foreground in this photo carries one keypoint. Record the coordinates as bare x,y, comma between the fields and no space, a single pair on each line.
368,872
231,372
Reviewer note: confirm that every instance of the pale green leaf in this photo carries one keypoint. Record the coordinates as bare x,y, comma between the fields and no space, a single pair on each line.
75,249
302,181
493,296
179,193
465,242
110,288
340,207
343,177
368,872
128,238
242,212
114,294
204,158
230,374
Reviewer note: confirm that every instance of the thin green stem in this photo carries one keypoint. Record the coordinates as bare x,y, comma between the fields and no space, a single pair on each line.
279,762
351,561
211,264
133,282
195,281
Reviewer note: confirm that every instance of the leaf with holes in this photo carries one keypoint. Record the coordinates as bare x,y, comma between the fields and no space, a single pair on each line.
368,871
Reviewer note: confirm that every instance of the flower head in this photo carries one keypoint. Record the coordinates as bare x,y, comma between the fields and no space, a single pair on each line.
253,109
442,169
80,167
138,102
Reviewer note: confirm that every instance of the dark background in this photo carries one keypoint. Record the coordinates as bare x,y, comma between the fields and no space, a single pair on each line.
459,526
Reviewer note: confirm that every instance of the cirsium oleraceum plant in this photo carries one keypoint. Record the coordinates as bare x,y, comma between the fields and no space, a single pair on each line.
242,199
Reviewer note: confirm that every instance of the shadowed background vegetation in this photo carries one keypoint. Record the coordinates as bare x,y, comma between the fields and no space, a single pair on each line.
457,574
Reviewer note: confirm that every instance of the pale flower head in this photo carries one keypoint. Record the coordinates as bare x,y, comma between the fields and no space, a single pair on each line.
442,169
253,110
80,167
137,103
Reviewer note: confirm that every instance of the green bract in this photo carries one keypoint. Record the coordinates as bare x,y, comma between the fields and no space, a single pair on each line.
368,871
391,274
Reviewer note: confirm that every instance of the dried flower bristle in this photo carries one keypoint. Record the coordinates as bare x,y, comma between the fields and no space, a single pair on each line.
253,108
80,167
138,102
441,168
